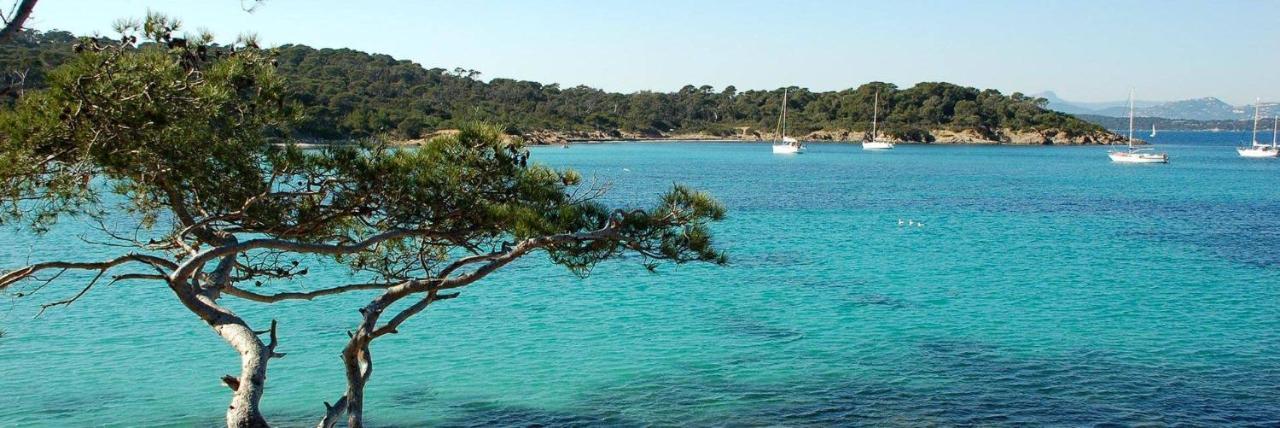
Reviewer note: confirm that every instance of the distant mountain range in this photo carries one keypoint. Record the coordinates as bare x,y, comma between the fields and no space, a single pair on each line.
1204,109
1142,124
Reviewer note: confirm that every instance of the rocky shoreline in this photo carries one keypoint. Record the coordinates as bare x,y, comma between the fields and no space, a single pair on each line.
938,136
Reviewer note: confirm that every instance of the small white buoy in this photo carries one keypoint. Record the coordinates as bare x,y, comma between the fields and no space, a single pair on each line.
626,169
919,224
900,222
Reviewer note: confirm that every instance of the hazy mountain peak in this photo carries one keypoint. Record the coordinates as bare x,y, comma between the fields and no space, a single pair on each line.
1203,108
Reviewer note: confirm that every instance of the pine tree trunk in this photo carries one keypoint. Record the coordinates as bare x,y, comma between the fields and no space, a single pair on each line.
244,411
359,367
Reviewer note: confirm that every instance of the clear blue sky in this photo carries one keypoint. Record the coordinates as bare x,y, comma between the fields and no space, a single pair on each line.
1083,50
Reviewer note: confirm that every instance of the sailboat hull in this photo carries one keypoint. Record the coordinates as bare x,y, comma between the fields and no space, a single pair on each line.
1138,157
788,149
1258,152
877,145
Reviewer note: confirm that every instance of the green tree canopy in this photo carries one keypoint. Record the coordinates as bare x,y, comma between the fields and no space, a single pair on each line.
187,142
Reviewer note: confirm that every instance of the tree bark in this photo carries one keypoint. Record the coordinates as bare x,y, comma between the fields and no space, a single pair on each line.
14,23
359,365
357,359
244,411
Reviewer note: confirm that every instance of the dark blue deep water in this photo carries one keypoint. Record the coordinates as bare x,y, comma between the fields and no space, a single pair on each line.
1046,286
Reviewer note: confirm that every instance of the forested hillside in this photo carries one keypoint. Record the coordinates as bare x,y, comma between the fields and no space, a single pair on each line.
352,94
26,58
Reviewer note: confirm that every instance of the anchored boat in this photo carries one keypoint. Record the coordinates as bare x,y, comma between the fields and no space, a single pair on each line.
1134,154
876,144
1257,150
788,145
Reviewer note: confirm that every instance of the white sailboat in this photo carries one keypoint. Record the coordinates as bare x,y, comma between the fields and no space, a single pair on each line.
1134,154
1258,150
788,145
876,144
1153,130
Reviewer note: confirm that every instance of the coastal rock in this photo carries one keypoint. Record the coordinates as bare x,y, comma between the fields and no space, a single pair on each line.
1059,137
544,137
1027,137
965,136
828,135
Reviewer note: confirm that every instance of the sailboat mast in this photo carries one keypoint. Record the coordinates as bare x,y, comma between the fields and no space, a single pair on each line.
1130,119
875,113
1275,125
784,113
777,130
1256,104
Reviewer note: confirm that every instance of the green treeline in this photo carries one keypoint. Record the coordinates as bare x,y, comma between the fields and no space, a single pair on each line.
352,94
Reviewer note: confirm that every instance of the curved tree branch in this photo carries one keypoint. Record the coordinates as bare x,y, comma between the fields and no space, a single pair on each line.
72,299
14,276
302,295
391,326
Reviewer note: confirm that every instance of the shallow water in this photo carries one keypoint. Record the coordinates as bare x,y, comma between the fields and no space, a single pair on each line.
1047,286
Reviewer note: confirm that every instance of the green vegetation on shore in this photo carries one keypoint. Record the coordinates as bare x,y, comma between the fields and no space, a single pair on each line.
351,94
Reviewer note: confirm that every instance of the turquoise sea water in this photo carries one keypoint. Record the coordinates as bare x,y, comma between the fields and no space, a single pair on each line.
1047,286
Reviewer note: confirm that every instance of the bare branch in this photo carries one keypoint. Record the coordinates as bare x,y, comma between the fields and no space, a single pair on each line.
231,382
16,84
391,326
271,344
302,295
463,262
333,413
129,276
72,299
251,6
17,275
